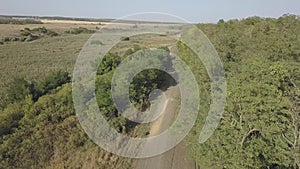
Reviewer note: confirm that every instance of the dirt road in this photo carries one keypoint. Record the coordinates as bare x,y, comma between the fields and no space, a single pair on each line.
178,157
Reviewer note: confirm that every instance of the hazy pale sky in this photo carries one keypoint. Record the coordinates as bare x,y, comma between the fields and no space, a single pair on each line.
191,10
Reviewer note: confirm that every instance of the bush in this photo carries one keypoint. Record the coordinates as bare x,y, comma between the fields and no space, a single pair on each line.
25,33
52,33
22,39
31,38
96,42
19,89
15,39
6,39
41,30
28,34
54,80
10,118
109,63
79,30
124,38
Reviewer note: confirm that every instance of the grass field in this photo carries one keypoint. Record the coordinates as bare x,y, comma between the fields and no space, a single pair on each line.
33,60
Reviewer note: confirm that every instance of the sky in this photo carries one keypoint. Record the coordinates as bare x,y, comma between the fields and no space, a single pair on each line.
204,11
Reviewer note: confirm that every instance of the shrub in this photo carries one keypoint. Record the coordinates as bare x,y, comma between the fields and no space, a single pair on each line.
19,89
54,80
109,63
6,39
52,33
15,39
41,30
79,31
31,38
124,38
25,33
23,38
96,42
10,119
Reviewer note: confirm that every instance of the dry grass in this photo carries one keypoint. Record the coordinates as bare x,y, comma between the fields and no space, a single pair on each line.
147,41
33,60
14,30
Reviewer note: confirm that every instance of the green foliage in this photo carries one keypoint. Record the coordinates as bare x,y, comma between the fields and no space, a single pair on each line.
260,125
46,133
103,95
52,33
53,80
25,33
19,89
35,147
6,39
10,118
144,83
40,30
37,59
29,38
108,63
139,90
80,30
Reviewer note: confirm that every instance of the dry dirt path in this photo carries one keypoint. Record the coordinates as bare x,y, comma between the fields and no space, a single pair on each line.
176,158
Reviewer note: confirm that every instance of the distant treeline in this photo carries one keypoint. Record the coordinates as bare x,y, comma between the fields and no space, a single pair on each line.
7,20
78,19
54,18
